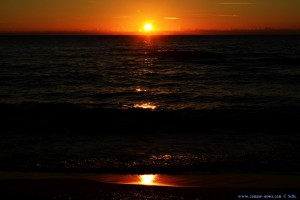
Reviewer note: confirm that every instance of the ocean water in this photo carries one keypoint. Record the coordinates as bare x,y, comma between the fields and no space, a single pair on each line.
149,103
168,72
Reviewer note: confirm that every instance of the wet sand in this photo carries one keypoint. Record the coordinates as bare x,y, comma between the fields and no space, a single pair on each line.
16,185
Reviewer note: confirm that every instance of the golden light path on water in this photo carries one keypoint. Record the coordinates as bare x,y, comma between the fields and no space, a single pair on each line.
145,106
218,180
142,105
140,179
230,180
147,179
140,90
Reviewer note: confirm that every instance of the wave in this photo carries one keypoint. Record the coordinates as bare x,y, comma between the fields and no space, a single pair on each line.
160,163
36,116
73,138
186,55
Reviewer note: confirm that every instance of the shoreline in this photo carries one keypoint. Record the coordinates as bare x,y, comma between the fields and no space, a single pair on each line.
225,179
32,185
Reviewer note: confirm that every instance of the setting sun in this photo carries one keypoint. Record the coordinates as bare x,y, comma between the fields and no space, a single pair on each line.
119,17
148,27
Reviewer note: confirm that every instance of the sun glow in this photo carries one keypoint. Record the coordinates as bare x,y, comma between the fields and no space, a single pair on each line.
148,27
147,179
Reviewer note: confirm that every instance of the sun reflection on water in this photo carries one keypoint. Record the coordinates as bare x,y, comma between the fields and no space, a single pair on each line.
147,179
140,90
150,61
145,106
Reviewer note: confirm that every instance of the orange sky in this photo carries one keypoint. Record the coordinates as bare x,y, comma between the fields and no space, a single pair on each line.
130,15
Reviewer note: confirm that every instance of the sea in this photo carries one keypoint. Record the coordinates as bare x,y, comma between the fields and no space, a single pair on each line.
150,104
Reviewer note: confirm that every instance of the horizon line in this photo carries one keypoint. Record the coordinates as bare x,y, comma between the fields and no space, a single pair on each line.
185,32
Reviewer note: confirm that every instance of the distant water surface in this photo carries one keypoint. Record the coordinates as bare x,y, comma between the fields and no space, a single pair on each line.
156,72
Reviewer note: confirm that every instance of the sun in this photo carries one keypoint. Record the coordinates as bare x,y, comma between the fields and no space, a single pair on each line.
148,27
